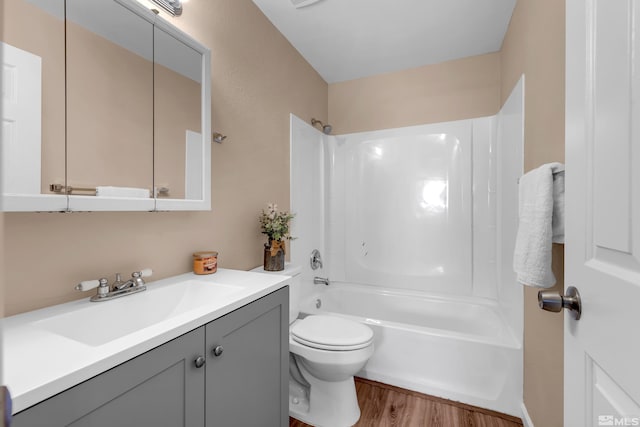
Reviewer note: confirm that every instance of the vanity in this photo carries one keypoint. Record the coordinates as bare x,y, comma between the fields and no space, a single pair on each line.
189,351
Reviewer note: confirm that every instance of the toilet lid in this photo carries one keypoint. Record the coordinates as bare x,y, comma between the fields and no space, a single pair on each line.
331,333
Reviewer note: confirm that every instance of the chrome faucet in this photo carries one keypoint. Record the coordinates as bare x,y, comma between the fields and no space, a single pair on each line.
119,284
119,287
321,281
136,280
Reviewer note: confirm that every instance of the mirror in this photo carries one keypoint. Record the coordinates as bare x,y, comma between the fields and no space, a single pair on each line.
136,109
182,111
109,96
33,104
109,106
177,113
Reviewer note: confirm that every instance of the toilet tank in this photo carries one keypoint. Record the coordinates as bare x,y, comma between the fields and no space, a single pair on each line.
294,286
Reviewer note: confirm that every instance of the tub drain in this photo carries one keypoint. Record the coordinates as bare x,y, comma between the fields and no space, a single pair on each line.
318,303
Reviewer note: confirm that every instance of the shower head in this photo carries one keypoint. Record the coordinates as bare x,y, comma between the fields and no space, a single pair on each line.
326,129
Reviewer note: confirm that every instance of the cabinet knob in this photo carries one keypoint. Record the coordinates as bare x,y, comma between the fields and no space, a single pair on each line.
200,361
218,351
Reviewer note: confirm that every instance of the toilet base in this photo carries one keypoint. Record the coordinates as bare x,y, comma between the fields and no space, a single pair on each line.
330,403
298,398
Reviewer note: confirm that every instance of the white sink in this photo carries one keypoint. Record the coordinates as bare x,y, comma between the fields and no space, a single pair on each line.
101,322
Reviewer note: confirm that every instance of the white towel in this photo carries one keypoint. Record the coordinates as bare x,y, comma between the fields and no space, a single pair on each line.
106,191
541,204
557,225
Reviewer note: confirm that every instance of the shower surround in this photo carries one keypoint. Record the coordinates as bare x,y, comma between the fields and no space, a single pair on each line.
417,228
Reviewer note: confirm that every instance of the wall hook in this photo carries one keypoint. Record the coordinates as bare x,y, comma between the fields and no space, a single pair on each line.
218,137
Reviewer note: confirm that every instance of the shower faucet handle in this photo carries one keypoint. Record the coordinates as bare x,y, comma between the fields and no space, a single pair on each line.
315,260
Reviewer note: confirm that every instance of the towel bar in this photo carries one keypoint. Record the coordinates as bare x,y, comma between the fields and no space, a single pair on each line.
59,188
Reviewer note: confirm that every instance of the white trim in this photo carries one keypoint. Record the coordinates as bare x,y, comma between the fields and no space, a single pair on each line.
79,203
33,202
526,418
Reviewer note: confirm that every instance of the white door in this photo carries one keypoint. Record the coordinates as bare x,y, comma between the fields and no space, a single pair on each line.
21,120
602,349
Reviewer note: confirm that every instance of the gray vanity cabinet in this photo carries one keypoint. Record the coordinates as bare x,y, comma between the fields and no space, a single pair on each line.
248,365
159,388
243,383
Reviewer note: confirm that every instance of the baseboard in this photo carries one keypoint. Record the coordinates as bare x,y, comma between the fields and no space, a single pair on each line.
526,419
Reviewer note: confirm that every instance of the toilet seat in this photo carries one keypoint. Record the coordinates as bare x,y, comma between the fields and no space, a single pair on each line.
331,333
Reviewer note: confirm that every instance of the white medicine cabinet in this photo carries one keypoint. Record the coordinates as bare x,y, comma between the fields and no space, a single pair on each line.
106,106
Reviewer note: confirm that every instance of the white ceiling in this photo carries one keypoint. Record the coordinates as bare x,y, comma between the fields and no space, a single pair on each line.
349,39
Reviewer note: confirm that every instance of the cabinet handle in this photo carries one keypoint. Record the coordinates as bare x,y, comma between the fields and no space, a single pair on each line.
218,351
200,361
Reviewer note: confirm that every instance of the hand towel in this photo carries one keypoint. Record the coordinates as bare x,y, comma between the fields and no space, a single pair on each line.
106,191
541,201
557,224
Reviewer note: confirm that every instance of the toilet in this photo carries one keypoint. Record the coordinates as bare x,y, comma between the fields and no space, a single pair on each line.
325,352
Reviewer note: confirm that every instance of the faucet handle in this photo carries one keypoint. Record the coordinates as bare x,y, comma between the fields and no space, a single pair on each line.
315,260
138,275
87,285
147,272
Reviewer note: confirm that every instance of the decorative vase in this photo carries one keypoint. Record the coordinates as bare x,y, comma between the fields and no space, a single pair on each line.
274,255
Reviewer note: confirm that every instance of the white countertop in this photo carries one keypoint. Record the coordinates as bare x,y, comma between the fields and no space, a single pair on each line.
38,364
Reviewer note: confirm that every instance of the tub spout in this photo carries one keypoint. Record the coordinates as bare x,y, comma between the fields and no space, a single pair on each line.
321,281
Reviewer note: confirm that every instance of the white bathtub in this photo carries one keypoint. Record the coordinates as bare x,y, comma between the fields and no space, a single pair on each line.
459,349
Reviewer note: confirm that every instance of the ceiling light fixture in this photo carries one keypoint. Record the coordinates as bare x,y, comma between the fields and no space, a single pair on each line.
174,7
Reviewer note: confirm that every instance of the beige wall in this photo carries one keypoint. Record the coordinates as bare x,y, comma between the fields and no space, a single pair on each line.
452,90
258,78
534,45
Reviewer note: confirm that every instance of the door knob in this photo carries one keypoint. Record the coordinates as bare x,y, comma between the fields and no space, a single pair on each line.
553,301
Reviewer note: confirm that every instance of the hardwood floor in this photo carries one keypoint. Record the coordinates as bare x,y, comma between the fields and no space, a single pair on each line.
383,405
